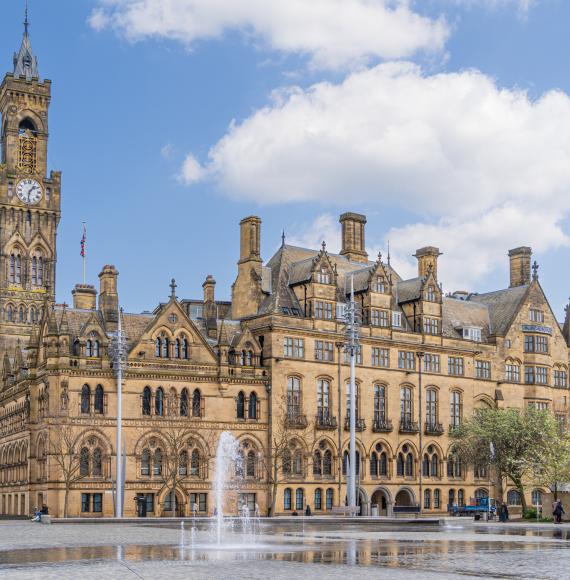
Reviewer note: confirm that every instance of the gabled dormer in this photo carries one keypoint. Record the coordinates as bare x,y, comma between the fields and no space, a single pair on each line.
245,350
373,290
172,337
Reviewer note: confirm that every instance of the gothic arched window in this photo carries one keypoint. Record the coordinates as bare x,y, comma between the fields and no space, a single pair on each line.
184,403
157,347
10,313
157,464
165,347
146,399
145,462
250,464
99,400
252,406
195,462
84,462
159,402
97,469
177,348
196,403
240,404
317,463
185,354
88,348
183,463
85,399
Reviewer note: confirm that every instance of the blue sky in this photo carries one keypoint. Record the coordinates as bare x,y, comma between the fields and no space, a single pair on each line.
434,139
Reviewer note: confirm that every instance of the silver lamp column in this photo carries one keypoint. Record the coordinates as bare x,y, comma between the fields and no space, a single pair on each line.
119,358
352,343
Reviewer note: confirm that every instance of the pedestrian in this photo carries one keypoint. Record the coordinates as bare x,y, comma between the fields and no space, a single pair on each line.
308,510
37,515
256,512
194,509
506,508
558,512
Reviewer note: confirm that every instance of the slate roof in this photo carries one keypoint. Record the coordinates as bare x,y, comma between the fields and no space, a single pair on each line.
409,290
502,305
463,313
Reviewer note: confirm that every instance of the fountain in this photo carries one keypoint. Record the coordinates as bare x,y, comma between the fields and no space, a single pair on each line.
227,455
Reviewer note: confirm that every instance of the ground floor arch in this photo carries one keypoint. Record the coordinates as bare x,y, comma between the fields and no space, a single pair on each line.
382,499
405,498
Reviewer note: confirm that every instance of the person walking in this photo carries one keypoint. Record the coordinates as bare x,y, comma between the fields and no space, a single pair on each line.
558,512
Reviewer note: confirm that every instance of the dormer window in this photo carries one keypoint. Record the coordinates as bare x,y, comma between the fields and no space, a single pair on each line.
397,319
379,284
323,276
536,315
472,333
430,293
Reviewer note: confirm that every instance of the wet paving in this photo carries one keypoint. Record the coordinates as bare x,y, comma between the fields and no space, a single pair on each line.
307,548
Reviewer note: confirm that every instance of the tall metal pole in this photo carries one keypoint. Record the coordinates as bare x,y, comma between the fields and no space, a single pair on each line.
339,346
352,345
420,356
119,357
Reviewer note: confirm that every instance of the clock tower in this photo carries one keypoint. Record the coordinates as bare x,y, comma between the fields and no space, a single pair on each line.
29,200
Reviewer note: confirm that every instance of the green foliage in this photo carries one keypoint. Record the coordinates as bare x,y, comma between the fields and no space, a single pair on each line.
523,443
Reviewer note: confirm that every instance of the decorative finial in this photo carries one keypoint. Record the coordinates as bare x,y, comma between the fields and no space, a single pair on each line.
282,238
535,267
173,286
26,21
324,246
380,256
388,252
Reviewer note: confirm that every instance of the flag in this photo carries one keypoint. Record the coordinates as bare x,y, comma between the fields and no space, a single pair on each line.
83,242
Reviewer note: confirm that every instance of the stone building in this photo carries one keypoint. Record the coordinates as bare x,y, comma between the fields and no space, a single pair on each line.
267,366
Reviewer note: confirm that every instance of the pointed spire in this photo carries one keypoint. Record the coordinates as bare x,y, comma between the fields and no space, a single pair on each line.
388,252
25,62
64,325
535,267
283,238
18,357
223,339
52,323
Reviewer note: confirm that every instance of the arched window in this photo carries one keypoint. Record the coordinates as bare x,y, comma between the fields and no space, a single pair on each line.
406,405
286,462
37,269
195,462
514,497
287,499
431,409
15,270
99,400
460,497
85,399
400,464
430,463
239,465
383,468
10,313
427,499
242,358
318,505
327,462
185,354
252,406
249,358
346,462
454,465
159,402
96,349
455,408
298,462
374,464
299,498
317,463
146,400
323,400
177,348
329,498
240,404
250,464
536,497
183,463
379,404
21,314
409,465
88,348
145,462
430,293
157,347
196,403
434,472
436,499
293,397
33,315
157,464
165,348
97,469
184,403
84,462
451,500
481,493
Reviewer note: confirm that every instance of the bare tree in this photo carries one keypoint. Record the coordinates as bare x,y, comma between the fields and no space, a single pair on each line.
287,428
63,449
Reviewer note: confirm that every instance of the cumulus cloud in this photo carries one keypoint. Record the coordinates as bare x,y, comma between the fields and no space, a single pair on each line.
324,228
333,33
192,171
523,6
483,167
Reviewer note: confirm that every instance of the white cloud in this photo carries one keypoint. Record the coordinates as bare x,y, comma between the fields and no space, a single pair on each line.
192,171
324,228
333,33
166,151
523,6
487,167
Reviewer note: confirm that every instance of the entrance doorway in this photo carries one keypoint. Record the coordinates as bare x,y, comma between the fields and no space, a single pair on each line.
173,506
404,498
381,498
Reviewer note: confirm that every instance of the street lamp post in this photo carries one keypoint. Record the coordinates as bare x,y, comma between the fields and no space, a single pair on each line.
420,356
119,357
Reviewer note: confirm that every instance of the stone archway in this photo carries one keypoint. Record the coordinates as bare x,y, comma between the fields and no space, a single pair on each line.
405,498
381,498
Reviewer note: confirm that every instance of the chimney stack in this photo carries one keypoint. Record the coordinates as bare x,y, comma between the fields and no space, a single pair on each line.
108,295
427,260
353,242
84,297
520,266
249,242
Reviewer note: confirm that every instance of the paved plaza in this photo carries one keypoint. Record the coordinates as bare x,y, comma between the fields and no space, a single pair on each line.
284,550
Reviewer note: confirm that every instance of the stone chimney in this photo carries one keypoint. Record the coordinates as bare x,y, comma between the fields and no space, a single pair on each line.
108,296
246,290
210,311
84,297
427,260
520,266
353,242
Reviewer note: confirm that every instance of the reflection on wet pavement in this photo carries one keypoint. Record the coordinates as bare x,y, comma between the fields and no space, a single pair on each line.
510,551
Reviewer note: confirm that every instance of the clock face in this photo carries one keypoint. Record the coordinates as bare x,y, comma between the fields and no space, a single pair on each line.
29,191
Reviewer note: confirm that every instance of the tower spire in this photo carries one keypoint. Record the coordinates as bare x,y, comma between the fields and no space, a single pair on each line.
25,62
